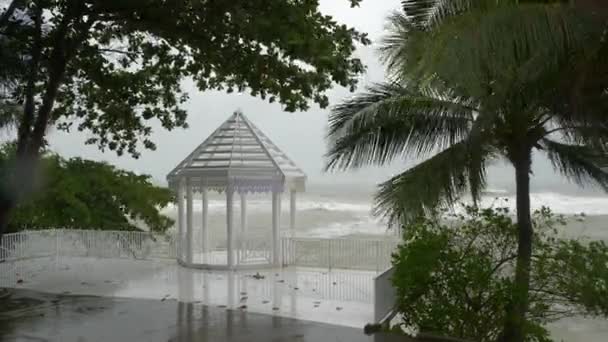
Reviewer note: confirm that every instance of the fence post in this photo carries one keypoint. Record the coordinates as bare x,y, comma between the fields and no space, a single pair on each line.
329,253
294,251
283,251
377,256
56,242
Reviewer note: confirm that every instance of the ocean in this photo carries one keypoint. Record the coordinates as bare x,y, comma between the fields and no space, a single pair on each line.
331,211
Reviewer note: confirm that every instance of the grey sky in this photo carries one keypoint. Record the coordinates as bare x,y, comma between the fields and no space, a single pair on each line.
300,135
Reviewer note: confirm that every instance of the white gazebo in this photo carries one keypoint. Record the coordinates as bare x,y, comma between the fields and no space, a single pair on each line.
235,159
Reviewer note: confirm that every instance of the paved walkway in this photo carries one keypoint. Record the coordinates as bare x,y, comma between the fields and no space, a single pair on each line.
333,297
34,316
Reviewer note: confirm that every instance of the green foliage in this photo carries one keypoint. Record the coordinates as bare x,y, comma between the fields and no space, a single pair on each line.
454,274
457,104
112,66
83,194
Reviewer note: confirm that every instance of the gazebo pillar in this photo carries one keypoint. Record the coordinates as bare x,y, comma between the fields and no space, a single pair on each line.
276,224
292,212
205,223
229,226
180,220
243,233
189,230
243,214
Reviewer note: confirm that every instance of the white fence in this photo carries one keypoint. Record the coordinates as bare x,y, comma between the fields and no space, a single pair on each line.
341,253
85,243
307,252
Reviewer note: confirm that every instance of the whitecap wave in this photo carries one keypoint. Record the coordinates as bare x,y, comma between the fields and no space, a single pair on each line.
558,203
266,206
364,226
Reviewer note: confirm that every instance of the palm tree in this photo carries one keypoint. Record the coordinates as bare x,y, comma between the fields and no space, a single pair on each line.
472,82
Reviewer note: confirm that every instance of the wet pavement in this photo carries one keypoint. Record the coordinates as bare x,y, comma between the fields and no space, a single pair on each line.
337,297
34,316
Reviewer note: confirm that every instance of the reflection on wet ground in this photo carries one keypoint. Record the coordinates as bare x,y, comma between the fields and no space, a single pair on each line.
34,316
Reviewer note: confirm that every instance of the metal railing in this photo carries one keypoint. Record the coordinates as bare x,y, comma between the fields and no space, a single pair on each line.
343,253
338,253
28,244
85,243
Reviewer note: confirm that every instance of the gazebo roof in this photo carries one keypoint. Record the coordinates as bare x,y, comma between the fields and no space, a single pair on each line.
238,154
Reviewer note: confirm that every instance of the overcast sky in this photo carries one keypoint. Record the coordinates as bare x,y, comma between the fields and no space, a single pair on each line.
300,135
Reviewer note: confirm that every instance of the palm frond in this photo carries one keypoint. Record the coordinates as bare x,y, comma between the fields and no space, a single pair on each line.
437,182
580,99
419,11
402,45
433,12
495,46
390,120
579,163
592,132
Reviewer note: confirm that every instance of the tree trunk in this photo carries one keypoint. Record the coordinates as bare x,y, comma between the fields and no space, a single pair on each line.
32,132
5,209
515,320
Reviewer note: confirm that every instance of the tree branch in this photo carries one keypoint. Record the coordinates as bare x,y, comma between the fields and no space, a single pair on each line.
126,53
28,110
542,122
563,296
562,128
63,51
9,13
501,263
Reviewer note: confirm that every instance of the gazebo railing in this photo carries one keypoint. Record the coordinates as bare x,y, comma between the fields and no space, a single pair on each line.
338,253
254,247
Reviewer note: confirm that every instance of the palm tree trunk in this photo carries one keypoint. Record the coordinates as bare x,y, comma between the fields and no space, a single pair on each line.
514,328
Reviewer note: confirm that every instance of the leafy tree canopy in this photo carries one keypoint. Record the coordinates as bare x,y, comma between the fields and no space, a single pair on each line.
84,194
110,66
455,276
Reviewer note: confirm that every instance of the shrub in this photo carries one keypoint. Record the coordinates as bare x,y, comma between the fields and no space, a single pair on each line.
454,274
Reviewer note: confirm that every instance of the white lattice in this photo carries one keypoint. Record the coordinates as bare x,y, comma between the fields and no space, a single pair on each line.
238,156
